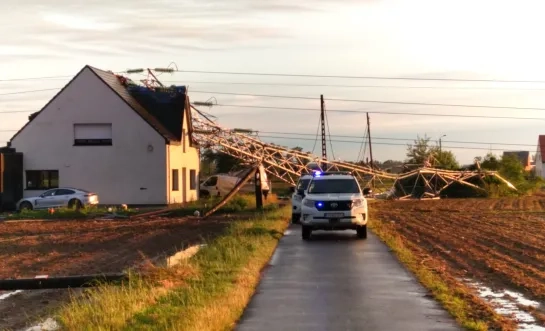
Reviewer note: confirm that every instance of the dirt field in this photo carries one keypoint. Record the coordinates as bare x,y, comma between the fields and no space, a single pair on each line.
60,248
499,242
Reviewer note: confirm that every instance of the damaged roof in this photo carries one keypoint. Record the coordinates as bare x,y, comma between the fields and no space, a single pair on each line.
162,111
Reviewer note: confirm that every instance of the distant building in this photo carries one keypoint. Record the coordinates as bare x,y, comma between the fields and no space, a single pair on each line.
523,156
540,157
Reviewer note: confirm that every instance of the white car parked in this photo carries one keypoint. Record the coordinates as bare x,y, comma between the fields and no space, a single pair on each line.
297,197
334,201
59,197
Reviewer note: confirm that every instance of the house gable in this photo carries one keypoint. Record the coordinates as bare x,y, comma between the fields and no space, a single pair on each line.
33,116
166,120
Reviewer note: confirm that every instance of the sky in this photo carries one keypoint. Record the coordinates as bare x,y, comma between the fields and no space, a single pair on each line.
478,39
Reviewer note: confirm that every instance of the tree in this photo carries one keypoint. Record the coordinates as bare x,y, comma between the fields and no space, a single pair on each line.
445,159
490,162
511,168
421,152
222,162
418,153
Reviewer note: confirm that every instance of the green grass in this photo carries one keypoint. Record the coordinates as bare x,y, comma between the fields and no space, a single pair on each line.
208,292
468,310
238,203
281,188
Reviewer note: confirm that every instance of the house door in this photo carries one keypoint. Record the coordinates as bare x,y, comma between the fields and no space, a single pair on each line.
184,185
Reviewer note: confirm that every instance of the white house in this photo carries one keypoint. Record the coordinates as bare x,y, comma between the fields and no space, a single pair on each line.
102,133
540,157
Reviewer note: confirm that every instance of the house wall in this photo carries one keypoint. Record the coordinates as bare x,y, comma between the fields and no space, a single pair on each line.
178,159
126,172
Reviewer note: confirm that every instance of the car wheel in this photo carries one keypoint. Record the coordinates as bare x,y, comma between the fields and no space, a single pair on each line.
362,231
306,232
295,218
75,203
25,205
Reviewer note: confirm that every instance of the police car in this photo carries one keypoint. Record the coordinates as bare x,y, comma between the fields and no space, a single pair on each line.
334,201
297,196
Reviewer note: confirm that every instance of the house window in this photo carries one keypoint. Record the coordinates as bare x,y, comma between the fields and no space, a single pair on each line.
42,179
175,180
92,134
192,179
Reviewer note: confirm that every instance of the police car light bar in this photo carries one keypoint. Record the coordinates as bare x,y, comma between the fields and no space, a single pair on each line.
329,173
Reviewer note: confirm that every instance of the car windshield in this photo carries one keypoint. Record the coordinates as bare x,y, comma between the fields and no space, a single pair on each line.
333,186
303,184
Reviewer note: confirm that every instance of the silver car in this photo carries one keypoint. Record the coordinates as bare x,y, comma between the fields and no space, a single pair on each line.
59,197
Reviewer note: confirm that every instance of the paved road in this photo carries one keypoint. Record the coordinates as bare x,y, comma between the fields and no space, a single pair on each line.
336,282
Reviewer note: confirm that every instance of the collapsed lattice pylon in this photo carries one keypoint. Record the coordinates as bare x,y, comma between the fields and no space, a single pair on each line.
287,164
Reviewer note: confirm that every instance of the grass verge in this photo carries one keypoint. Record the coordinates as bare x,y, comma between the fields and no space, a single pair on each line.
239,203
470,311
208,292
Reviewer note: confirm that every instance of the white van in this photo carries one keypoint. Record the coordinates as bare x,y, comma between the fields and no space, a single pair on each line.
221,184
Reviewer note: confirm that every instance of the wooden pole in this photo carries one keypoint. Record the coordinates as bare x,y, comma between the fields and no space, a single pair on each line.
369,135
370,148
258,190
230,194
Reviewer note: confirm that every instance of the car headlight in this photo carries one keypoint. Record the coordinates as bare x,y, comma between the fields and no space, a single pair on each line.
309,203
357,203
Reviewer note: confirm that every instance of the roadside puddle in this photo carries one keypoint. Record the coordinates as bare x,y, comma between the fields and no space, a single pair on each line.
4,296
48,325
508,303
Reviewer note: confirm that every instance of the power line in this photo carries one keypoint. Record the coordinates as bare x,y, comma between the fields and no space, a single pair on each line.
259,132
386,112
360,77
343,100
47,77
311,85
357,111
309,76
388,144
400,139
358,86
33,78
31,91
17,111
376,101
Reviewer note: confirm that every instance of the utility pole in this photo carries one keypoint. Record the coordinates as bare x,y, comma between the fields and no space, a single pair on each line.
322,123
440,144
258,189
370,149
369,135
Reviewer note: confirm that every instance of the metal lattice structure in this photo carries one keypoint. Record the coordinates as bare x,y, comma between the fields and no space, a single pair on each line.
287,164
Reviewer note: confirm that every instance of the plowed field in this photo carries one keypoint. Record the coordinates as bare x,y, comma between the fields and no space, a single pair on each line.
60,248
72,247
500,242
